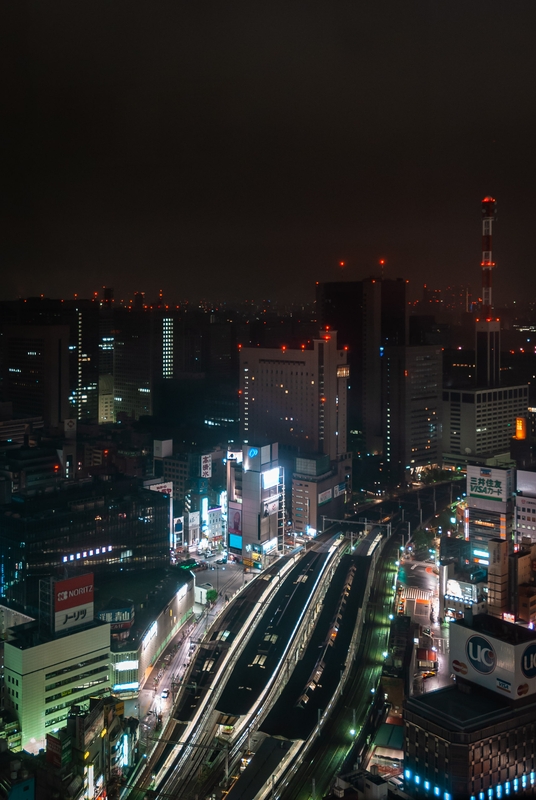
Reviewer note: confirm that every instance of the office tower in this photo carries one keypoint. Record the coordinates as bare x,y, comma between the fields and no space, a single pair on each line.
368,315
256,503
476,739
411,407
296,397
481,422
37,371
144,358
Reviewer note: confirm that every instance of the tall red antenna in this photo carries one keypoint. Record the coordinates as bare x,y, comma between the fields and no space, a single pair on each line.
489,208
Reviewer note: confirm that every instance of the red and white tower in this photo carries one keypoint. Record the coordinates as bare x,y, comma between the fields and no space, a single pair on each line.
489,207
488,330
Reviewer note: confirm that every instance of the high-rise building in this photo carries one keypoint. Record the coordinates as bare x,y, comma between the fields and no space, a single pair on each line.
296,397
368,315
481,422
411,407
144,357
36,375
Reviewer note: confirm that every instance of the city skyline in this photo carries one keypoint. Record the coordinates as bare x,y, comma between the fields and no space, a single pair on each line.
248,152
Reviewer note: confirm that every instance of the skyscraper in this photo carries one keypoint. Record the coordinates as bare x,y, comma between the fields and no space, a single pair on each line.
368,316
296,397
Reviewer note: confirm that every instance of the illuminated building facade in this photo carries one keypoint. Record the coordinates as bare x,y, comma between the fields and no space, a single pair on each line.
489,512
48,669
256,503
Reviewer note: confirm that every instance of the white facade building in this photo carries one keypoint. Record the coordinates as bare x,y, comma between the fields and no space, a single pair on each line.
43,679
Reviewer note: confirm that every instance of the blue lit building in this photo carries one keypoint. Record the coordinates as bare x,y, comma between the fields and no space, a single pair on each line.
476,740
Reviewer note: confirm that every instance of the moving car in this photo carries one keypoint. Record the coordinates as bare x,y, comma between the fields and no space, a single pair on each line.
165,694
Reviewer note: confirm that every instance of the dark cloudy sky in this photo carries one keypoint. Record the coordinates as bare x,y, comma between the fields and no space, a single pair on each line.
243,149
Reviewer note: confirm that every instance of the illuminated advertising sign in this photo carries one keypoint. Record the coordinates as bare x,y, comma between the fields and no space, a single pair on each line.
271,506
324,497
270,478
206,466
495,663
339,489
165,487
481,655
251,458
235,519
73,602
489,484
204,510
270,545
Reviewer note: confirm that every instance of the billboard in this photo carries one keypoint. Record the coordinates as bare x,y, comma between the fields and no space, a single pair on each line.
235,519
339,489
270,478
324,497
206,466
271,506
73,602
495,663
165,487
489,484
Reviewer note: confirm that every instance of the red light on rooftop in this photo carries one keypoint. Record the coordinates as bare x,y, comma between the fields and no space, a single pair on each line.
382,261
346,347
341,264
284,347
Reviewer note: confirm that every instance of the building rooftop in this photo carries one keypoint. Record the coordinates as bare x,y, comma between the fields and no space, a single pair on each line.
148,590
28,634
492,626
459,710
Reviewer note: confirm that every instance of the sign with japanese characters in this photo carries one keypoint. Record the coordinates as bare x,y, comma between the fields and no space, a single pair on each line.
489,483
73,602
206,466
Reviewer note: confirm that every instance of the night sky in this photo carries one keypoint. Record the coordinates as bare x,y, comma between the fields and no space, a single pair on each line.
242,150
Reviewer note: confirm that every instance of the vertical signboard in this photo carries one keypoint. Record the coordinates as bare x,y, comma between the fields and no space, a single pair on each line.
206,466
73,602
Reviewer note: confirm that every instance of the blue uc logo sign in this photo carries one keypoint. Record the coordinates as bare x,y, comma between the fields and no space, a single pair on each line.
528,661
481,655
253,452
